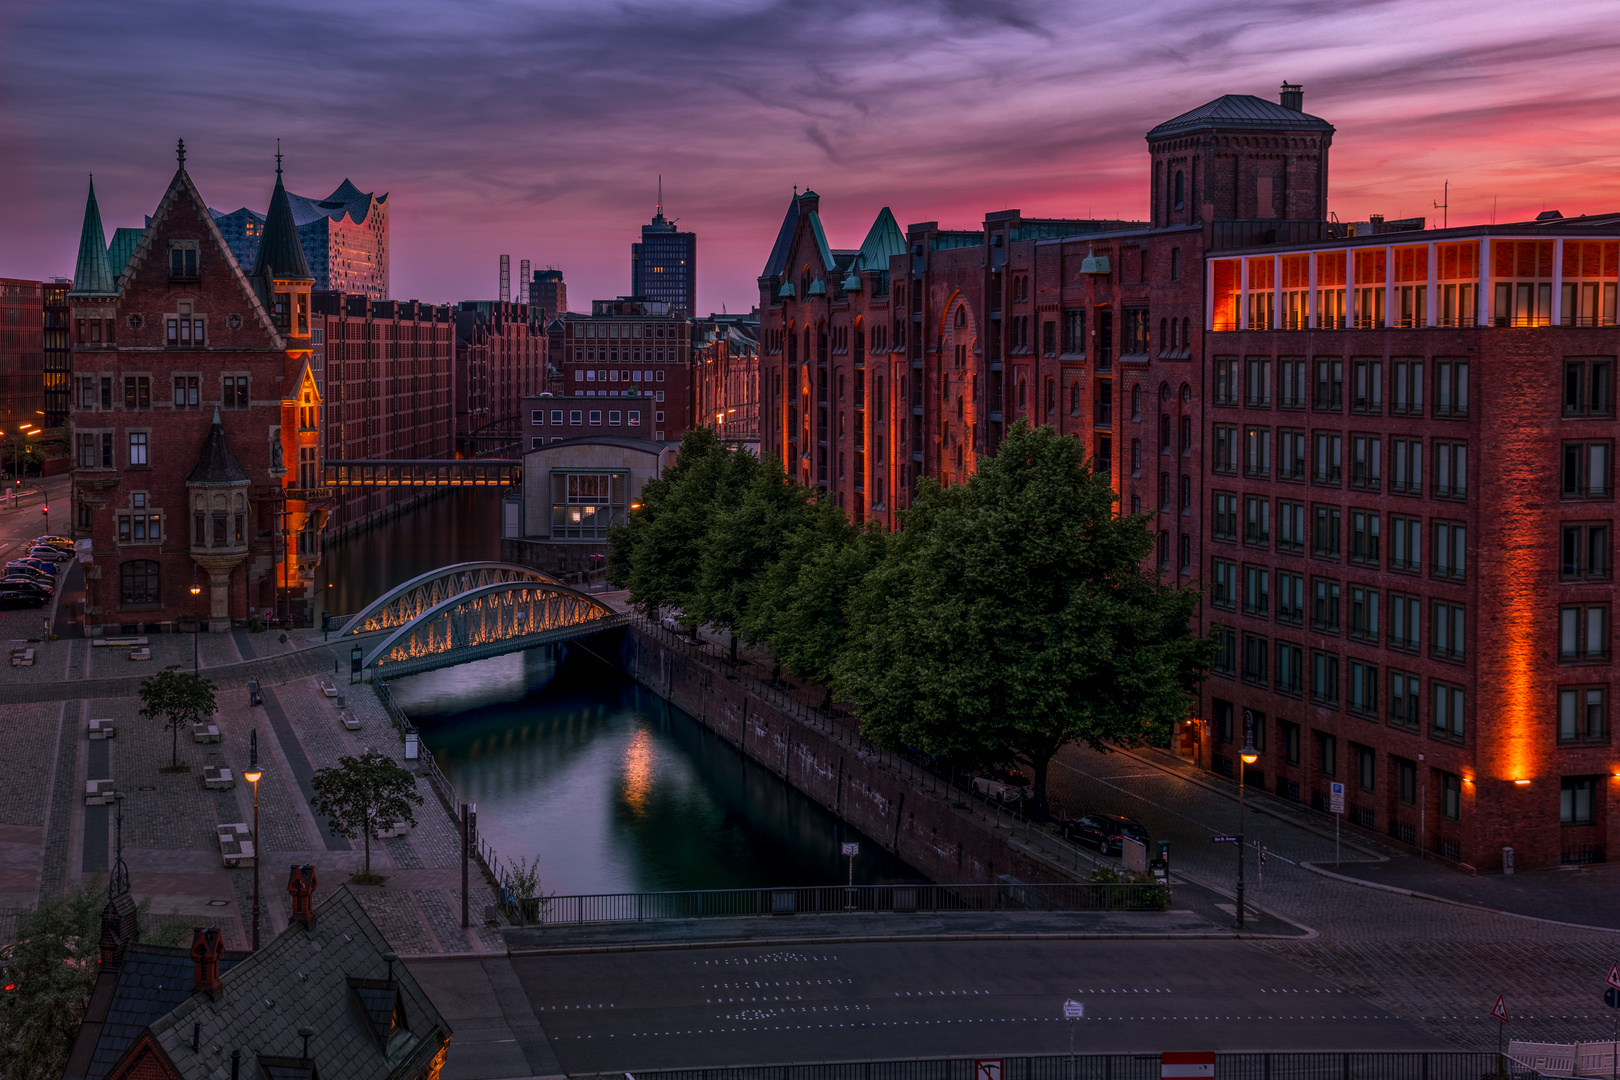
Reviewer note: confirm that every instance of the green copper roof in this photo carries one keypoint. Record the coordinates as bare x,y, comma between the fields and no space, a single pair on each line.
121,248
281,254
92,276
821,240
883,241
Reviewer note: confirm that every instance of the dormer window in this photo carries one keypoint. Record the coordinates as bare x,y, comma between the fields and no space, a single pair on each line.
281,310
183,260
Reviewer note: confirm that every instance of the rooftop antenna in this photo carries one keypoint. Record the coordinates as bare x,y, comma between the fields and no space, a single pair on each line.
1444,206
660,194
278,159
1494,198
180,152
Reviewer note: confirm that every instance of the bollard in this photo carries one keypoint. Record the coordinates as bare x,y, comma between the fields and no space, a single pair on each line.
1507,860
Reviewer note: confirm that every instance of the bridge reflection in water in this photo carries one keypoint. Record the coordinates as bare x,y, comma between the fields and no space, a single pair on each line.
615,789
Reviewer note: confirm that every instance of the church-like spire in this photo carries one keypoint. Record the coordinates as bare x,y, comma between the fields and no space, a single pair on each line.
93,275
281,254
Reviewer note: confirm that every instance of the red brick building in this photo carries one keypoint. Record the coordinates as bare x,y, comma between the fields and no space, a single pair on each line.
624,369
725,377
22,357
500,359
195,421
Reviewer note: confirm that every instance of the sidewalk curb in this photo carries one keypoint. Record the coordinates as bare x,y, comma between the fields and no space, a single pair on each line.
1397,890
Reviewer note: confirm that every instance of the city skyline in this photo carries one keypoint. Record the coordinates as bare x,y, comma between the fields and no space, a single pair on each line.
521,146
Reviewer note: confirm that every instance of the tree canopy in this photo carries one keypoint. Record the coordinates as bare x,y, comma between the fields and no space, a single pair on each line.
358,796
179,698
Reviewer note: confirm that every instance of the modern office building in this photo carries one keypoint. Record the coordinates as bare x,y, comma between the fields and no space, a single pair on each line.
22,359
345,238
663,267
548,292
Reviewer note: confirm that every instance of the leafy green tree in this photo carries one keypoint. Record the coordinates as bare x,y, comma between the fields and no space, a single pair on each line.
180,698
49,972
359,795
1013,616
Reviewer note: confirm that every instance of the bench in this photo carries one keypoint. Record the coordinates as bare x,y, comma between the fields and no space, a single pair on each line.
349,720
205,733
140,654
397,828
328,689
217,778
116,642
103,729
98,793
236,844
22,657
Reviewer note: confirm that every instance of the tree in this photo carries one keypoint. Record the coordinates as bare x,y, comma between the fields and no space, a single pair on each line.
179,697
745,538
1013,616
359,795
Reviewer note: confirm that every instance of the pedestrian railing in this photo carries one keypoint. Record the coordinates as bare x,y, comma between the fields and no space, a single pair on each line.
1395,1065
840,899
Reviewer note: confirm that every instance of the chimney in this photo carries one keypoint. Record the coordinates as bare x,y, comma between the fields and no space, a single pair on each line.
206,949
1292,97
301,886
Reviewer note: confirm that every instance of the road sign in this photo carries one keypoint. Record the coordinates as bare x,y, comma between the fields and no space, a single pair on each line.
1174,1064
1614,976
1611,998
1336,798
1223,839
1073,1010
852,849
987,1069
1499,1010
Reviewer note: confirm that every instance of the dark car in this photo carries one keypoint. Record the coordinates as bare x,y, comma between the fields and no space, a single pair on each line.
33,573
42,565
1106,832
61,543
26,585
10,599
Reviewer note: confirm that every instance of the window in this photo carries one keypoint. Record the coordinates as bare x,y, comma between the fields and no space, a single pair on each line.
1291,455
1325,605
1329,459
1225,524
585,505
1290,526
137,392
182,260
1049,337
1581,714
1256,591
1225,661
1255,654
1186,490
1074,332
1364,539
1404,691
1363,690
1223,593
1446,720
1584,552
1291,380
613,418
1406,543
1136,331
1450,546
1450,470
137,448
634,417
1575,800
1290,670
87,451
1325,527
1406,781
1290,598
186,391
556,416
1406,465
1225,460
1406,388
1586,470
1257,382
1451,388
1366,466
1325,678
1226,380
1583,632
1364,613
138,582
187,333
1290,741
1367,386
235,392
1405,621
575,417
1257,451
1366,759
1329,389
1136,457
1588,387
1450,796
1256,521
1449,623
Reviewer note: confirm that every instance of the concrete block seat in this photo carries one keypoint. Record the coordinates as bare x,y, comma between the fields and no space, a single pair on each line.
236,844
205,733
329,689
117,642
397,828
349,720
22,657
217,778
140,654
98,793
103,729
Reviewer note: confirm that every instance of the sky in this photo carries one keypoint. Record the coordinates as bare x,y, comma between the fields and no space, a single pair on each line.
540,129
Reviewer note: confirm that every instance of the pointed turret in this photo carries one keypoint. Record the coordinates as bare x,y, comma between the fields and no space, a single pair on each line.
281,253
93,275
216,466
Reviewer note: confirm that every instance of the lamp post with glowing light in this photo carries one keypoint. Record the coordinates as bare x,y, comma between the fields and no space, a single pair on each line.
1249,756
252,776
196,591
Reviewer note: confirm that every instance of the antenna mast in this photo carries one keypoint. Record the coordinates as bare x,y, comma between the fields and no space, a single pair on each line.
1445,206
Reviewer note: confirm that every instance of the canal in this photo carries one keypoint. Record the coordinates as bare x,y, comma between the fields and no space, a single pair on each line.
611,788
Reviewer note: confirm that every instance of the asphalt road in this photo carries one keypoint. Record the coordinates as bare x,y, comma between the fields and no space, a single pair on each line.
712,1007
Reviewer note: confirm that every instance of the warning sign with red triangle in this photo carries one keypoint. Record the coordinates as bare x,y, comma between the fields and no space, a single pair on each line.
1499,1010
1614,976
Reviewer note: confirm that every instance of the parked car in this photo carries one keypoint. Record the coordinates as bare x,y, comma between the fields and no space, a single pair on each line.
27,585
17,569
1107,832
10,599
45,565
1009,786
46,551
55,541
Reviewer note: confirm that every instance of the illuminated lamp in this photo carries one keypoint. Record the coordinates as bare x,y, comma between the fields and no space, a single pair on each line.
1522,783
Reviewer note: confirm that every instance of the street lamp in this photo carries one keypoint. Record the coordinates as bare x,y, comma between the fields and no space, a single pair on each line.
196,591
252,775
1249,756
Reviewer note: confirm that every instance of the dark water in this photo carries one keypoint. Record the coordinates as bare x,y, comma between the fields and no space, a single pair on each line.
460,526
614,789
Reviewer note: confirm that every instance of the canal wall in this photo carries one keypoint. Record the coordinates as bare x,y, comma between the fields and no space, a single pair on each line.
908,811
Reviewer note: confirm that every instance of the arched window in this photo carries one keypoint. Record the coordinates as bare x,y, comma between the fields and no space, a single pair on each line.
138,582
1136,402
1164,391
961,315
1178,195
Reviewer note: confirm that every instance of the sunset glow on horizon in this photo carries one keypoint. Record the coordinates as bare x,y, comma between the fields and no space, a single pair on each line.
539,131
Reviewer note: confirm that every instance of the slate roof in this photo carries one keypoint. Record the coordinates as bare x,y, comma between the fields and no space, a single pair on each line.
784,241
92,276
153,980
1238,112
302,978
217,465
281,253
883,241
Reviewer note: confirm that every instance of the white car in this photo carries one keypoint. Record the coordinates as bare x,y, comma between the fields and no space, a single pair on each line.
46,551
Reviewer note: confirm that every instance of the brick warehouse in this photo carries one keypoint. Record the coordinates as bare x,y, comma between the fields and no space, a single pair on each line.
908,356
196,421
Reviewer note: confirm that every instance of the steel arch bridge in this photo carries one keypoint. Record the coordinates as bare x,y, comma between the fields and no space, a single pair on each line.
402,603
490,621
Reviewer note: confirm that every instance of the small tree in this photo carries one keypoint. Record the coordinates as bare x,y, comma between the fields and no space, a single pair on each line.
179,698
358,794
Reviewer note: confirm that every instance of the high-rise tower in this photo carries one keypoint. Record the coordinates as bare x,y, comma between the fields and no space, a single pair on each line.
664,265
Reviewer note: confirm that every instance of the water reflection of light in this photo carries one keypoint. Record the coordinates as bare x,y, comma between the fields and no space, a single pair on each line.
637,780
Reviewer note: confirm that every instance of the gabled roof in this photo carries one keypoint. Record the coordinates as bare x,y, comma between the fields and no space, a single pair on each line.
123,245
92,276
217,465
152,980
827,263
775,265
1241,111
883,241
281,253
